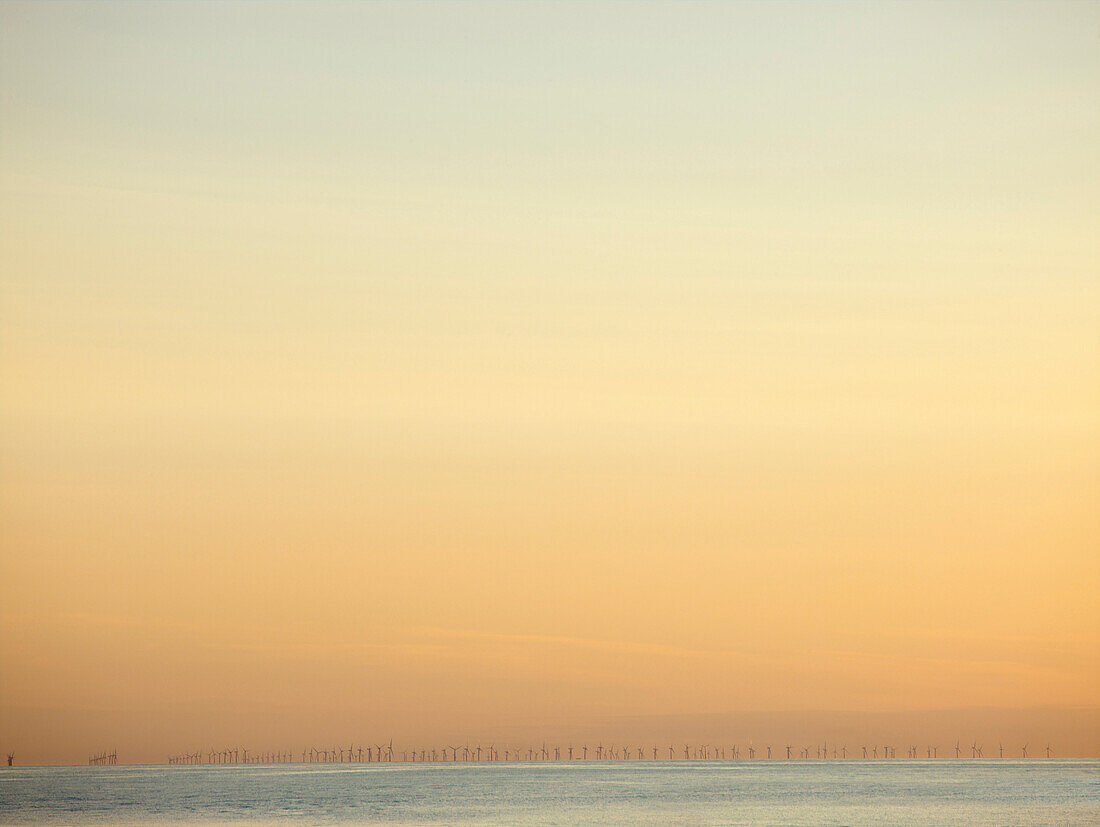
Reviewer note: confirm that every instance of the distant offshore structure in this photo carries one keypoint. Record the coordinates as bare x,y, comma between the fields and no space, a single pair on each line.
478,753
104,759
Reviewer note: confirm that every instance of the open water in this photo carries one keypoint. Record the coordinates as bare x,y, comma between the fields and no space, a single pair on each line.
636,792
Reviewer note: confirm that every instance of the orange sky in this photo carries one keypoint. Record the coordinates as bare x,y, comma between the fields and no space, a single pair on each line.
455,369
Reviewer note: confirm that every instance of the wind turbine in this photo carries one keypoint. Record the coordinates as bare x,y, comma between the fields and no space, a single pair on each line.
1050,753
1024,751
788,752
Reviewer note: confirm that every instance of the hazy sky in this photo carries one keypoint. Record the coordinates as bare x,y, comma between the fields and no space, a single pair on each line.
401,369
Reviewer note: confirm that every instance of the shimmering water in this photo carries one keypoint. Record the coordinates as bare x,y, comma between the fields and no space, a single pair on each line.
644,792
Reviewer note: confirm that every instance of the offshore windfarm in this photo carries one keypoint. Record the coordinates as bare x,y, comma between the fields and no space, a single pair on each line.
491,753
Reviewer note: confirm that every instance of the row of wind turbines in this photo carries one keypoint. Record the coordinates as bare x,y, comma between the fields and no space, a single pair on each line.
310,755
371,753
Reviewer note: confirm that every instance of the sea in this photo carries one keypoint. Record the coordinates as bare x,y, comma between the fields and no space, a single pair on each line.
787,792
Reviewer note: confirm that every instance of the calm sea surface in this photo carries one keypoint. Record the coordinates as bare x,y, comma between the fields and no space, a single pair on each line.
639,792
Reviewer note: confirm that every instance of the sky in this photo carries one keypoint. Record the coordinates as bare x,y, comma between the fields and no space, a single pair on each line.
428,370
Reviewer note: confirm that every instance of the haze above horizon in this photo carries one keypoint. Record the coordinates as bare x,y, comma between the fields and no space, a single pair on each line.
494,366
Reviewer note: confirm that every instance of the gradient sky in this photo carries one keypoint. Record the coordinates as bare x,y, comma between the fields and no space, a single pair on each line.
408,369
